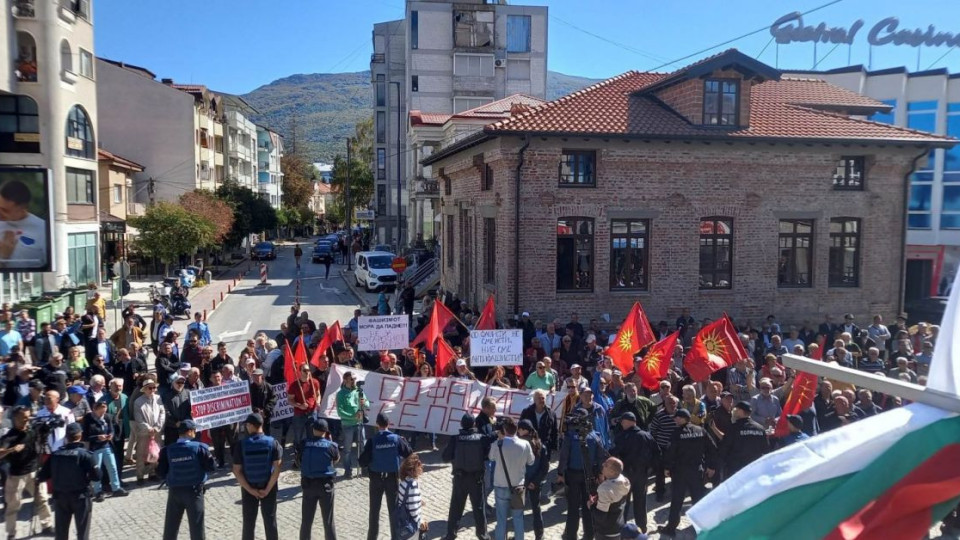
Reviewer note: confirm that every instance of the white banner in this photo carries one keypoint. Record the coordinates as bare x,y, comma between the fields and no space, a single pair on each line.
432,405
217,406
496,348
283,409
383,332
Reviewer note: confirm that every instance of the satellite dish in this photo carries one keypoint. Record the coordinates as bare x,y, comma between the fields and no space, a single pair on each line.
122,269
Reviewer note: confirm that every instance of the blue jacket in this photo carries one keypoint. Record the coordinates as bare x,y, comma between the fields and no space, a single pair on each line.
600,423
185,463
203,329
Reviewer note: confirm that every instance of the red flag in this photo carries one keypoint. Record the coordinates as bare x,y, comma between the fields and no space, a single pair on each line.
289,370
715,347
332,335
300,355
487,320
445,355
634,334
801,397
656,363
439,319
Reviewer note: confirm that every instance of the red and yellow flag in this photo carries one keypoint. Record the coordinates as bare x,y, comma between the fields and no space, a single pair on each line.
801,397
634,334
715,347
656,363
487,320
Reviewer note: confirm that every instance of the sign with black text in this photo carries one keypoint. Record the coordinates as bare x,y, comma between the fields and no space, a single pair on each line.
496,348
383,332
222,405
283,409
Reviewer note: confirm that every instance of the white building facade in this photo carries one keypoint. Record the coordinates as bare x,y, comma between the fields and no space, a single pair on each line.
269,174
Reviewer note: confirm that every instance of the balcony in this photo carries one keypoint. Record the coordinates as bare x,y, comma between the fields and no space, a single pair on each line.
377,58
69,10
24,9
427,188
26,62
135,209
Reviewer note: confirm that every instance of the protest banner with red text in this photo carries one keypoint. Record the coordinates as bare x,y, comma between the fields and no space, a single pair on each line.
217,406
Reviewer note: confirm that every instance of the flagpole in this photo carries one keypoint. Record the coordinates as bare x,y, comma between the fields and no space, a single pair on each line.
885,385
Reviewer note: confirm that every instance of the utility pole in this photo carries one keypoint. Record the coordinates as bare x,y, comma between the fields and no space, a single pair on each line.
349,211
152,190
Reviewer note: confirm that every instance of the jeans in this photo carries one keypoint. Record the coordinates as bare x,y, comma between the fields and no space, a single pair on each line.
104,457
489,468
298,430
351,434
502,495
533,496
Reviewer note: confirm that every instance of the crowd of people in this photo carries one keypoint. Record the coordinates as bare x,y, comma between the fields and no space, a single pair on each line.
83,406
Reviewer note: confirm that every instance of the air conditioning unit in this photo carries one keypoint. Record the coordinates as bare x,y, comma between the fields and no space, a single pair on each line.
500,62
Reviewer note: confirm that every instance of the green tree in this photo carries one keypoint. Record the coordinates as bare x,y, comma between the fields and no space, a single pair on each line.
251,213
168,231
298,177
360,169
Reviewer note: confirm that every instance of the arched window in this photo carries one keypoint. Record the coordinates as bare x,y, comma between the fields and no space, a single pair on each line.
66,57
26,62
19,124
80,141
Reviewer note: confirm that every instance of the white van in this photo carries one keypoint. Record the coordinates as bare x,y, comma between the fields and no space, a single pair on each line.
373,270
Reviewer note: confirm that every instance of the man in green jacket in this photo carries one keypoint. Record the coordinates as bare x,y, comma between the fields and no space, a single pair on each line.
350,404
118,410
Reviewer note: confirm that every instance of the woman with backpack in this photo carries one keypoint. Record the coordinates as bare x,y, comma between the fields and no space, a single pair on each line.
409,502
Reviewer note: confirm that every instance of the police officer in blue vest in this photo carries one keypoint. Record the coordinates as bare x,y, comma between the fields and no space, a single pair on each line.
316,478
256,464
71,468
382,456
184,466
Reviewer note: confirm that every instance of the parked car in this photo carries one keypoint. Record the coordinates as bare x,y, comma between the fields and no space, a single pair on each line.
373,271
382,247
264,251
322,252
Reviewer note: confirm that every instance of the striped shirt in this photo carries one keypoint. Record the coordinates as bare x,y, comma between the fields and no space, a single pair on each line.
410,489
662,428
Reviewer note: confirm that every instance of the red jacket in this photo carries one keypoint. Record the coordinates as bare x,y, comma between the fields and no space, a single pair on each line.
304,393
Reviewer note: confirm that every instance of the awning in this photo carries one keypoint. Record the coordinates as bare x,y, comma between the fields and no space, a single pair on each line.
110,223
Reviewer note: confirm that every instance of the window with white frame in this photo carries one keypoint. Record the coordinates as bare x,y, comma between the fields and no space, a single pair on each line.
473,65
518,70
86,64
117,194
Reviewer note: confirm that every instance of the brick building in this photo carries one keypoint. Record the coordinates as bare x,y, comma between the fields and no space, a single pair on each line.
722,186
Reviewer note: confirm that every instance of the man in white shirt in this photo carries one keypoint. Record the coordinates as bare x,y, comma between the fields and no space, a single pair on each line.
23,236
52,407
512,455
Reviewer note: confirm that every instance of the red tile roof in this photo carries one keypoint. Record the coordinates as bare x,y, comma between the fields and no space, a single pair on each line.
418,118
104,155
494,110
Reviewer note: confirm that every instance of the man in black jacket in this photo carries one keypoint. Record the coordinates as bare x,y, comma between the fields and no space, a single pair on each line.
467,452
98,432
177,404
19,453
684,462
262,398
130,369
743,443
71,469
166,364
543,419
638,451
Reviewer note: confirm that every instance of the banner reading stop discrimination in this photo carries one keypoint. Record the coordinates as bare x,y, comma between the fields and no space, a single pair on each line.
217,406
432,405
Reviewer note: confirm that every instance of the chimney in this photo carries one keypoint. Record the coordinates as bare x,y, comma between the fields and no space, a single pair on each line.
167,82
518,108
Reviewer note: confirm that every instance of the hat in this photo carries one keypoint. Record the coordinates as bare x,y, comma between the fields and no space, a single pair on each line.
526,424
744,406
254,419
525,314
682,413
187,425
725,394
77,389
74,429
466,421
382,420
461,362
576,366
591,338
176,377
321,425
628,416
902,316
258,371
795,420
848,316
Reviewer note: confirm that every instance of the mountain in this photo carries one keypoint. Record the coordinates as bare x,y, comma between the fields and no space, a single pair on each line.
325,106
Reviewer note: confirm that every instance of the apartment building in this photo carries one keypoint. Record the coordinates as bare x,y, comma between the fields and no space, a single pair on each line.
175,131
927,101
117,204
269,174
444,57
241,141
48,119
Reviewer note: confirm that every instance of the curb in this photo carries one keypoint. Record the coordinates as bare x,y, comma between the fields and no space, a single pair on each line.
353,289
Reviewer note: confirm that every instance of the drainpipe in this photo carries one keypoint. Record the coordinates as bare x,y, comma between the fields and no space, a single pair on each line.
903,233
516,228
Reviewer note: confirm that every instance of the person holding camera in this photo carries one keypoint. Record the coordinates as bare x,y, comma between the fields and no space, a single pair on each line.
382,456
19,451
512,455
71,468
467,451
184,466
581,458
316,479
350,409
58,428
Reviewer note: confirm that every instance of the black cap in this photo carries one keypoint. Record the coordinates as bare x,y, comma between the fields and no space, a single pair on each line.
74,429
382,420
725,394
35,384
526,424
321,425
254,419
682,413
628,416
744,406
466,421
187,425
795,420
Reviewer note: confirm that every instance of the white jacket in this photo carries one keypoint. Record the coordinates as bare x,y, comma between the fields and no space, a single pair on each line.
612,491
148,413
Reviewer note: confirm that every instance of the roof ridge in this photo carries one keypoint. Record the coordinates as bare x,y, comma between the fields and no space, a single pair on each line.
866,121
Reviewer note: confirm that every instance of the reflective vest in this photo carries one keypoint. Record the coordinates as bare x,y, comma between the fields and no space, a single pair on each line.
257,461
386,453
185,469
315,461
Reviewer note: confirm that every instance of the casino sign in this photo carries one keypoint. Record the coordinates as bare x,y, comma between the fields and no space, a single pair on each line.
791,29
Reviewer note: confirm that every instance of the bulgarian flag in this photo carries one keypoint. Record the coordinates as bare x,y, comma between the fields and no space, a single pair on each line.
892,475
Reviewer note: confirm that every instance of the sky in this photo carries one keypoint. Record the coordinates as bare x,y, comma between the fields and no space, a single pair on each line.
238,45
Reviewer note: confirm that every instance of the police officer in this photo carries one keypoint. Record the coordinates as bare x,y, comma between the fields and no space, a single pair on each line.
256,464
684,462
744,442
382,455
184,466
71,468
573,470
467,451
316,479
638,451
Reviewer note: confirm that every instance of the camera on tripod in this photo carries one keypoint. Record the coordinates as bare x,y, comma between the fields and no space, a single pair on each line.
46,424
580,422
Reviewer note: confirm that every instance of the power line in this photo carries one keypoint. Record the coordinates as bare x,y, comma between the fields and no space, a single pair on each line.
942,56
610,41
738,38
817,63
